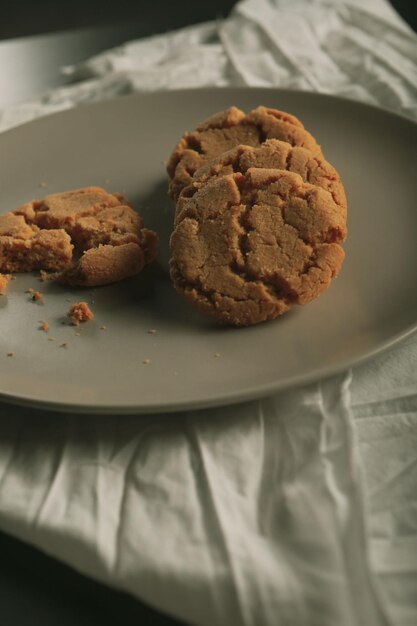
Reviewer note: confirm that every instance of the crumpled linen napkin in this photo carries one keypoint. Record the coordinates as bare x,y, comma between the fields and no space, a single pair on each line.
297,509
354,49
244,515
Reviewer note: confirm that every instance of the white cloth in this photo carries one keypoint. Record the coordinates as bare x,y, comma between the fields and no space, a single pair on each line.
300,509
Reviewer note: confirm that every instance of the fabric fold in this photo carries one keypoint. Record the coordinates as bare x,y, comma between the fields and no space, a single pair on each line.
223,505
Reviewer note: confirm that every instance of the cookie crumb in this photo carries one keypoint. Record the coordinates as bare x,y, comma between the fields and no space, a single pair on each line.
43,184
103,327
216,355
152,331
146,361
36,295
77,334
63,345
79,312
45,276
4,281
43,325
51,338
10,354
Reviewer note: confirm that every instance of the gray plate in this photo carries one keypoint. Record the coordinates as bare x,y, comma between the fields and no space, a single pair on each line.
123,145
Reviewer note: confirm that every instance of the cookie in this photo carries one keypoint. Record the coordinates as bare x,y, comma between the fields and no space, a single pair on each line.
25,247
106,237
273,154
248,246
228,129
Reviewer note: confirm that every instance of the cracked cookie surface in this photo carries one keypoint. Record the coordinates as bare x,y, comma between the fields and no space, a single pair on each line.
273,154
248,246
88,236
228,129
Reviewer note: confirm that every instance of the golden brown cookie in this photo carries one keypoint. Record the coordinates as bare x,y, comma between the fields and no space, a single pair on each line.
248,246
107,235
273,154
25,247
228,129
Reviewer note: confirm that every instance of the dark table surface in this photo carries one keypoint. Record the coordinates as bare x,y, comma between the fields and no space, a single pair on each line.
35,589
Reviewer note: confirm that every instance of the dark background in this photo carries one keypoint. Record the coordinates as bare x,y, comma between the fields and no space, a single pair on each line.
30,17
35,589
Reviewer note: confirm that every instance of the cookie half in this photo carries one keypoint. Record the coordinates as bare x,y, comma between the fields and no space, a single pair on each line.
248,246
228,129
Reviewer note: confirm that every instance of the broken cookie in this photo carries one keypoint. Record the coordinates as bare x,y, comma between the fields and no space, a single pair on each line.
88,237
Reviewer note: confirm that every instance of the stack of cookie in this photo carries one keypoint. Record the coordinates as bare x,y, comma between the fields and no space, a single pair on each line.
260,215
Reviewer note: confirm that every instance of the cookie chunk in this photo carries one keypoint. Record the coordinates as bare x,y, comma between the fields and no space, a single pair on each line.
273,154
25,247
91,216
228,129
79,312
4,281
248,246
106,237
105,264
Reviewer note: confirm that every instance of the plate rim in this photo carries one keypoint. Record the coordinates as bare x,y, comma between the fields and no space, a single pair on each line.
227,399
224,88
